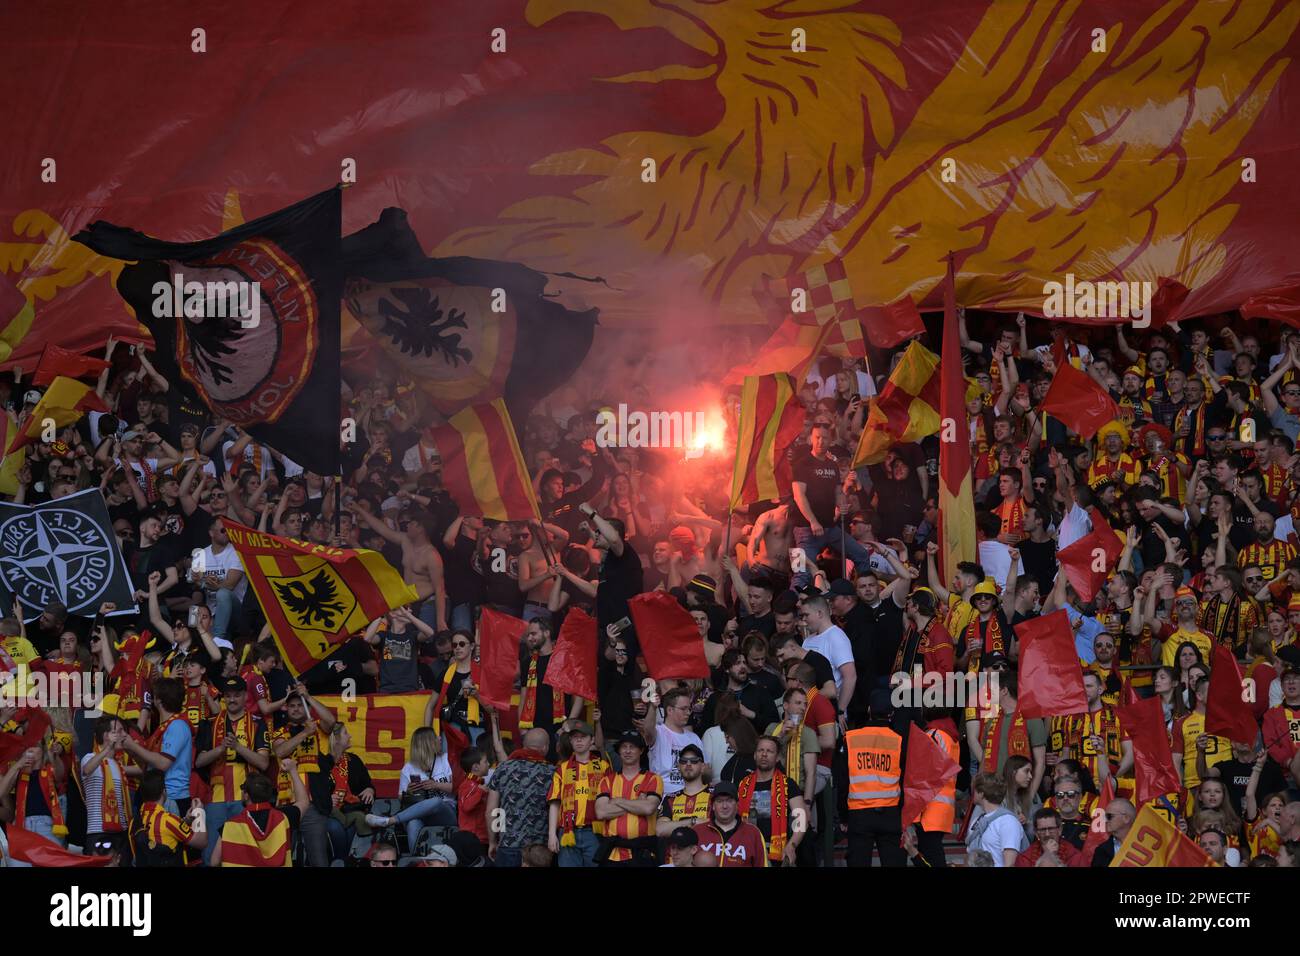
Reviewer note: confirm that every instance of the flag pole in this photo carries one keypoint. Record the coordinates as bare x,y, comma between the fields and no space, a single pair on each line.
338,506
844,551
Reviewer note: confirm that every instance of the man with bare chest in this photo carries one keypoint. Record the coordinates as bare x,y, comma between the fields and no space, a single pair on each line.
421,563
769,543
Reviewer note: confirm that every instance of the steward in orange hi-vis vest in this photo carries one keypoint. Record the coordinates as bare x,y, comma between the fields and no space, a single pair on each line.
875,768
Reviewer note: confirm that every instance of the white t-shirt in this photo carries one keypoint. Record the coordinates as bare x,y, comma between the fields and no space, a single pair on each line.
1075,525
716,751
251,451
413,774
1004,833
411,460
218,565
995,558
832,644
663,756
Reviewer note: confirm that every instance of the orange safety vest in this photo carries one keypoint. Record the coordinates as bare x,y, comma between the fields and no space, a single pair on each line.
875,761
941,812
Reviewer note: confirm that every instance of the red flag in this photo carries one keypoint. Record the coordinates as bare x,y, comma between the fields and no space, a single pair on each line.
1226,714
1088,562
957,540
1168,299
1051,677
1078,402
928,769
573,662
57,361
38,851
1153,761
498,664
1127,692
457,743
670,641
13,745
888,325
1154,841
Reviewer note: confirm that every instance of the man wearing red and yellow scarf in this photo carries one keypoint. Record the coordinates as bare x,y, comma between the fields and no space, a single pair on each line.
573,828
108,799
774,803
1097,735
540,705
229,746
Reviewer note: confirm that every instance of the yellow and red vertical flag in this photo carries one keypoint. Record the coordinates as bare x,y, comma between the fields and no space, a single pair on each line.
315,596
63,403
956,491
482,466
771,418
907,408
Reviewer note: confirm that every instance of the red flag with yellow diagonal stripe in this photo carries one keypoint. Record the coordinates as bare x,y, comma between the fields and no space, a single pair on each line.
771,417
907,408
315,596
482,466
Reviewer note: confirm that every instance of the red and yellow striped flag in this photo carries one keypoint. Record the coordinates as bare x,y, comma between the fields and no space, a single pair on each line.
482,466
63,403
771,417
907,408
315,596
956,492
244,843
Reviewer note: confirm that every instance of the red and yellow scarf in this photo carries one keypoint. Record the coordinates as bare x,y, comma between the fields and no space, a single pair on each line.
471,703
1017,739
992,642
528,699
579,786
1012,514
780,810
111,809
50,789
340,782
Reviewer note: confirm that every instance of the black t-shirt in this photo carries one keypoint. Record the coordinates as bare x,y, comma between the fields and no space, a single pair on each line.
765,624
463,585
822,479
1039,559
771,683
821,667
141,562
760,806
545,716
399,662
1236,775
621,578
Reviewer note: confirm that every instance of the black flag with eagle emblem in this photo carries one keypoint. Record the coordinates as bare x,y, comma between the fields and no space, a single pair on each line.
247,323
463,331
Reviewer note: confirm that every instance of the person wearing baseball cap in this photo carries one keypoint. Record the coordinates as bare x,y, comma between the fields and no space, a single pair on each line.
683,844
628,803
231,745
731,841
572,799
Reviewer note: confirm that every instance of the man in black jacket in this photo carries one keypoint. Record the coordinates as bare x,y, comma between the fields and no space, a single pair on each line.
1119,820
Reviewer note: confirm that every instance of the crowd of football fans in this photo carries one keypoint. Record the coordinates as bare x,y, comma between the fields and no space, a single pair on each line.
815,614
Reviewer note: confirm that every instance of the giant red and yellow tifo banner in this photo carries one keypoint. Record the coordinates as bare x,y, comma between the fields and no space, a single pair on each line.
681,151
381,726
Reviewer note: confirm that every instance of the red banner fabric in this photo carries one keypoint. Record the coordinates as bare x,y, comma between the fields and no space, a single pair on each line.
670,641
1051,677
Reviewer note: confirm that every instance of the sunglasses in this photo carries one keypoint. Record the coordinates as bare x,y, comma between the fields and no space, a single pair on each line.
1219,437
1066,794
459,644
383,863
690,760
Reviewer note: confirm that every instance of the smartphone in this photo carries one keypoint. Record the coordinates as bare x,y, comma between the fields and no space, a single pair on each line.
622,624
193,619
